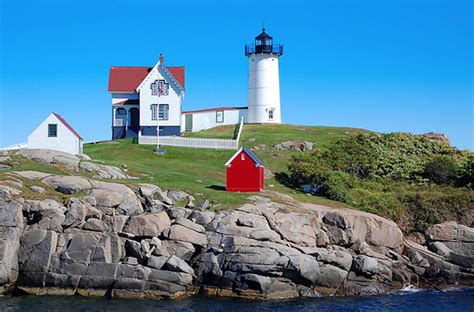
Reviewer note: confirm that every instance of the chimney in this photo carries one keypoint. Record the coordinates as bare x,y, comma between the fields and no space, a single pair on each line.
162,59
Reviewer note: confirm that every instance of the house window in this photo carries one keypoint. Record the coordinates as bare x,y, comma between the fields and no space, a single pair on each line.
164,111
120,112
160,86
52,130
242,156
153,111
270,114
220,116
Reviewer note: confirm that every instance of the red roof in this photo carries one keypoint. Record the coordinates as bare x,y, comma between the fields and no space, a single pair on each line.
67,125
213,109
128,78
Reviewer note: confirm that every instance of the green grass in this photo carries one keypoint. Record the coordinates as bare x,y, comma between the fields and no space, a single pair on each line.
201,172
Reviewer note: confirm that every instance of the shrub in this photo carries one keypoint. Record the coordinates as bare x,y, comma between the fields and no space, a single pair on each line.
466,176
337,186
441,170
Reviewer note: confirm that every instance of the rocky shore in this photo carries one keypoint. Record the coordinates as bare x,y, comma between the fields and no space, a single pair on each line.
109,239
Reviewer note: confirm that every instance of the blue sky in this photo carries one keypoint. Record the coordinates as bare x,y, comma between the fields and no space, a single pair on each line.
375,64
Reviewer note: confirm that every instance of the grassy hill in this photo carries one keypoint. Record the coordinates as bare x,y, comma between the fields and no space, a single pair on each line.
202,172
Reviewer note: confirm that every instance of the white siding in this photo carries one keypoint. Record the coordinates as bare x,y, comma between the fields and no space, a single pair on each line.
173,99
65,141
207,120
263,88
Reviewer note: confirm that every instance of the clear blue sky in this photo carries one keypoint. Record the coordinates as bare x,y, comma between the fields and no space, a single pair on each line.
381,65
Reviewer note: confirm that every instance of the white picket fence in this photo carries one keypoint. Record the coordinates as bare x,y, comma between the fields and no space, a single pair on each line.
14,147
227,144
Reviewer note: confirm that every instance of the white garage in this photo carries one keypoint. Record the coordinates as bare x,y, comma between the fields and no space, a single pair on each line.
56,134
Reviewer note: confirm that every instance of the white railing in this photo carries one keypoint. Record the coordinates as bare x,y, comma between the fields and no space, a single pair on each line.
188,142
119,122
192,142
14,147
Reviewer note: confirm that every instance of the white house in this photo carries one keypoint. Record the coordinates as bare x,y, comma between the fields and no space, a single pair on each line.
55,133
146,97
136,105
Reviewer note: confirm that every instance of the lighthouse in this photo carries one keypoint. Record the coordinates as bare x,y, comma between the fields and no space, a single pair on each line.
263,80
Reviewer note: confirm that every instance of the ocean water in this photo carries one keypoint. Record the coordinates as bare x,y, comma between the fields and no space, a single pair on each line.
413,300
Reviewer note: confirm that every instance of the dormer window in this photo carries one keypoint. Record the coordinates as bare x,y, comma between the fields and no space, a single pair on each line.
159,86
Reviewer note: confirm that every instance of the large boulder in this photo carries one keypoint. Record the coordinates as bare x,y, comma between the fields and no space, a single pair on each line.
11,226
67,184
297,146
48,156
117,196
102,171
148,225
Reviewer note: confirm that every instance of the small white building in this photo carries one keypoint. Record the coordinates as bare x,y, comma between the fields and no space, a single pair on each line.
202,119
55,133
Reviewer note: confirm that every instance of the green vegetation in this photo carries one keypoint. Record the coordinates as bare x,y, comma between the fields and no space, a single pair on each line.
407,178
201,172
410,179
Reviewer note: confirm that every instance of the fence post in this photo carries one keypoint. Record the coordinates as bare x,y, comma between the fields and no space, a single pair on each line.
239,133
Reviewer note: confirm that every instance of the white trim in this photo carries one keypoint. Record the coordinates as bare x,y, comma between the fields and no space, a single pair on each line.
227,164
157,67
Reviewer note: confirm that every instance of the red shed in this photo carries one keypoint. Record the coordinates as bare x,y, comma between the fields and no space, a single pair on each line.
245,172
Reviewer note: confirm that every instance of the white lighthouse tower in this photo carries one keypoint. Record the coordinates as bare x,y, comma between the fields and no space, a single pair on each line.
264,81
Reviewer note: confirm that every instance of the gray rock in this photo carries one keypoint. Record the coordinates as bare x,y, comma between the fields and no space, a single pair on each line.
190,225
147,225
153,192
95,225
178,212
130,260
11,226
335,219
202,217
297,146
76,214
331,276
182,250
157,262
178,196
67,184
36,249
176,264
364,265
47,156
202,205
37,189
118,196
307,267
102,171
184,234
170,276
31,175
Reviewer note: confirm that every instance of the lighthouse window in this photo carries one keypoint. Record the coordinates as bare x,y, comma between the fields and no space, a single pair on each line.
219,116
270,114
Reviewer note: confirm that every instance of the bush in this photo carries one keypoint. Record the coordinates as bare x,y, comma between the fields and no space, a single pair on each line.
466,176
337,186
441,170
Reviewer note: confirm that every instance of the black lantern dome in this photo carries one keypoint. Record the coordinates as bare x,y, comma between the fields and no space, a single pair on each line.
264,44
